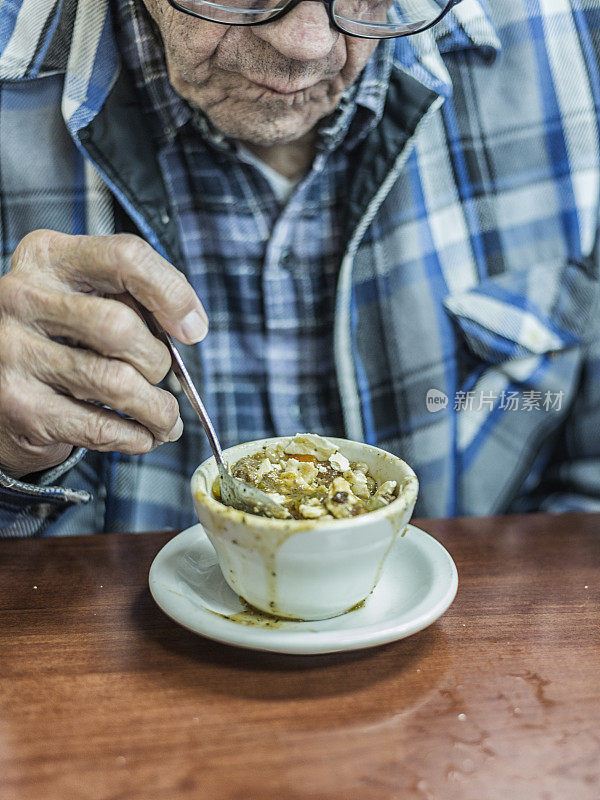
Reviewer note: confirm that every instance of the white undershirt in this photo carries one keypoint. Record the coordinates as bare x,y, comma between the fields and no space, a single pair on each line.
282,186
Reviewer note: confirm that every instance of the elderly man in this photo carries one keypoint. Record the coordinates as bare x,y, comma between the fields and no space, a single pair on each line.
391,225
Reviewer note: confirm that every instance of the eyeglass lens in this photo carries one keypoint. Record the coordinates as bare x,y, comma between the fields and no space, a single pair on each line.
371,18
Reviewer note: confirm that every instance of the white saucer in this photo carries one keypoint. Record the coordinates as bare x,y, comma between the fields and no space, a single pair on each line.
418,584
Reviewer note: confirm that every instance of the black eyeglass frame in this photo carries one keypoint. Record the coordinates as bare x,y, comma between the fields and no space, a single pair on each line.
329,3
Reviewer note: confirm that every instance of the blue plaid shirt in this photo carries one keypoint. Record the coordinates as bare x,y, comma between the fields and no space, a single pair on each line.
267,275
431,287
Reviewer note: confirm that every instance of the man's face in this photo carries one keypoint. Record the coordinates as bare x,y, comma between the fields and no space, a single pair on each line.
265,85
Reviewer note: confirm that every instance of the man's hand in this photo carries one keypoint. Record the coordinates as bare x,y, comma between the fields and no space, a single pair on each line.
69,339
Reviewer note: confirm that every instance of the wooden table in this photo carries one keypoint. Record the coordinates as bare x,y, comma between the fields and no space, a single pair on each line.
103,696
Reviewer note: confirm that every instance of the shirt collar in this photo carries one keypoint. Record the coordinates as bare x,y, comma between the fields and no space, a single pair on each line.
361,106
468,27
141,49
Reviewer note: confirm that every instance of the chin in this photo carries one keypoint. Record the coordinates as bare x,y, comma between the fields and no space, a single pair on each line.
266,125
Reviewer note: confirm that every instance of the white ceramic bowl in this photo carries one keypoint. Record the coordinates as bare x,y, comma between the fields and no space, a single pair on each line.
305,569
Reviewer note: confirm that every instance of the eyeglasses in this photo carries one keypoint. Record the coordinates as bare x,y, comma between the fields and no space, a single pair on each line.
367,19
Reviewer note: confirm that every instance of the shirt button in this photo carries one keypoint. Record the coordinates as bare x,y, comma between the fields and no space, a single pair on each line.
164,217
286,258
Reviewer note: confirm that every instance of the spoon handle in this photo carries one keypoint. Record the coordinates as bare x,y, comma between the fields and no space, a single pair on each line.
187,385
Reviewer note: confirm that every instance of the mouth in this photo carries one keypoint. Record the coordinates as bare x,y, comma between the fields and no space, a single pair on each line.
284,90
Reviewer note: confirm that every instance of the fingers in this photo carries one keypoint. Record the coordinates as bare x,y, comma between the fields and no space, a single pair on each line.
48,390
41,419
107,326
115,264
86,376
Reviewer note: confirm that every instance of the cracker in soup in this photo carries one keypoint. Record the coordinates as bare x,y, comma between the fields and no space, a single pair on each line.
312,479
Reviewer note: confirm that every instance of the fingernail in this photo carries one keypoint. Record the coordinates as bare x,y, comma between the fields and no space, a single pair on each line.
194,327
176,430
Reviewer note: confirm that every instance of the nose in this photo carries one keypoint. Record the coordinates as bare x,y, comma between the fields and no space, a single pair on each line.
303,34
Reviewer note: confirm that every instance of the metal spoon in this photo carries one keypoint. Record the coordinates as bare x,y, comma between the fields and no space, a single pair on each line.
234,492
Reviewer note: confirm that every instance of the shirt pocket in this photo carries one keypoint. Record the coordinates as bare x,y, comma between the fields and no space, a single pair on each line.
529,312
525,335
